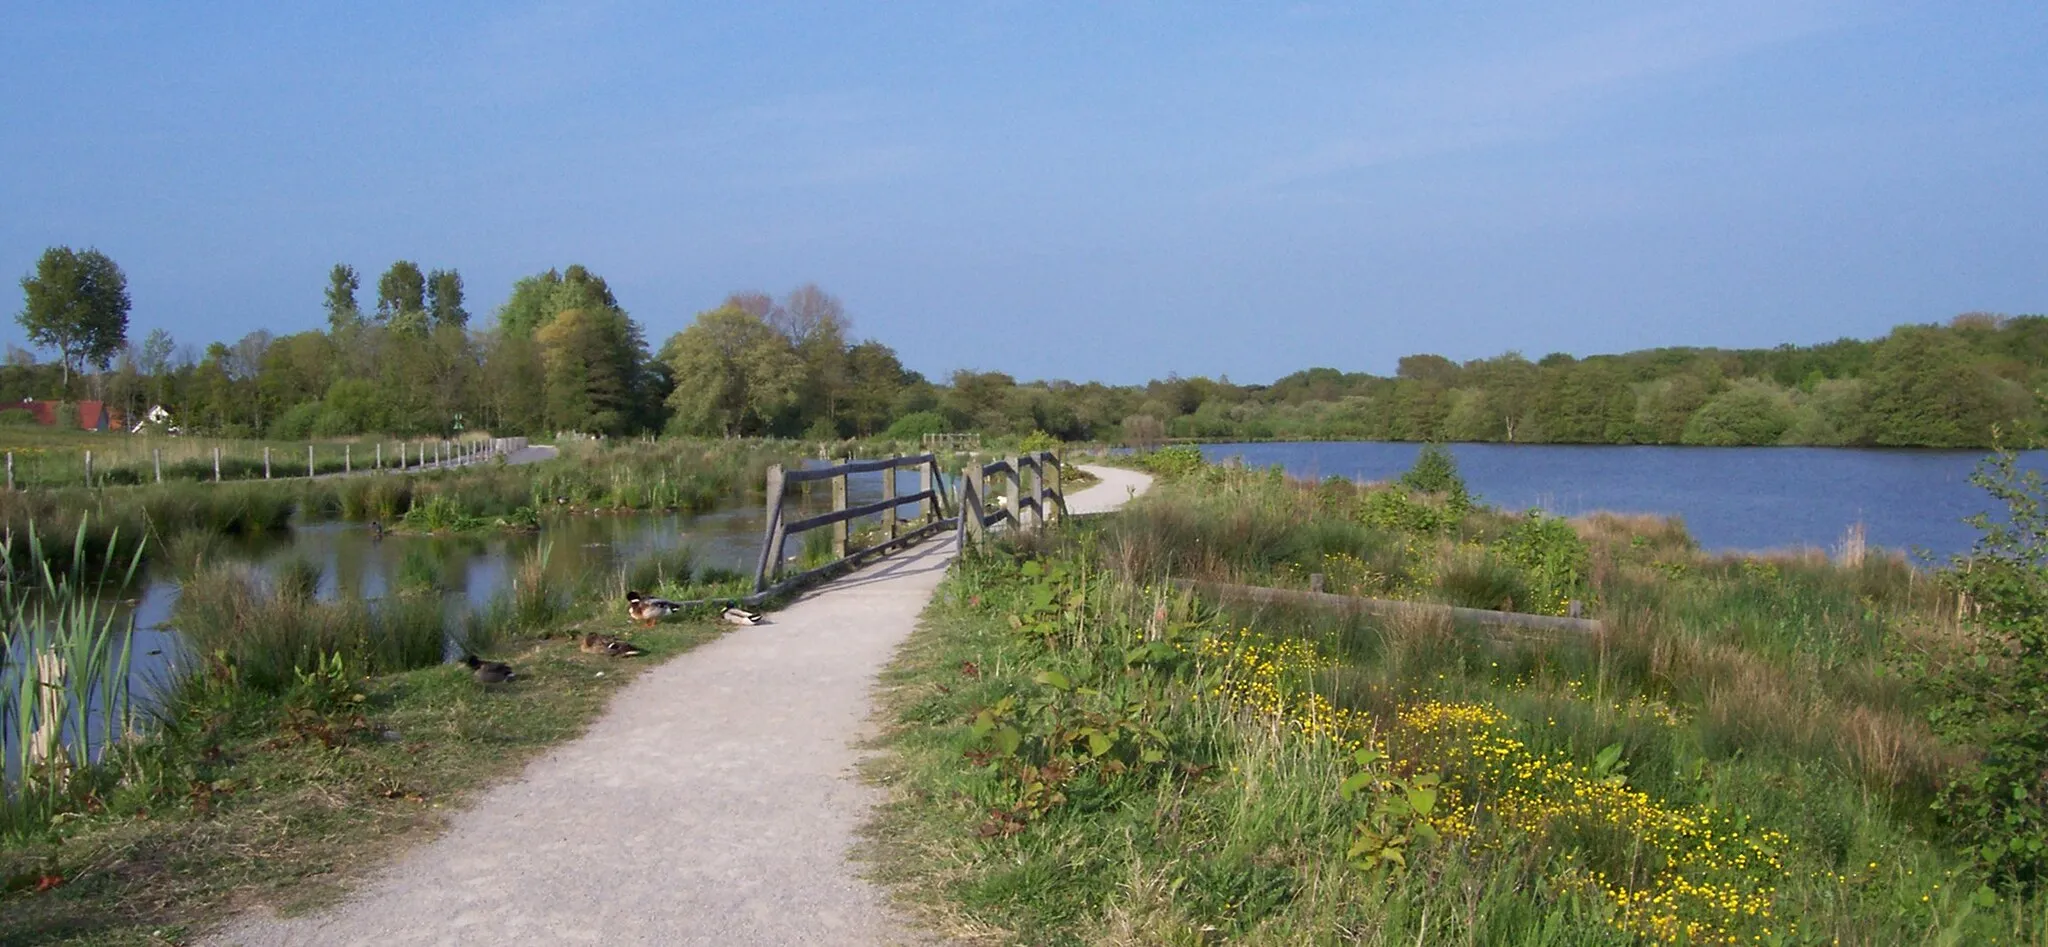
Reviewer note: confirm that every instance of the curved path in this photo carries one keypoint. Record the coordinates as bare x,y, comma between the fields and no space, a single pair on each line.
714,803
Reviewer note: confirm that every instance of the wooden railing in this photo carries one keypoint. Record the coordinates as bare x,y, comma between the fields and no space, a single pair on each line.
930,518
1044,501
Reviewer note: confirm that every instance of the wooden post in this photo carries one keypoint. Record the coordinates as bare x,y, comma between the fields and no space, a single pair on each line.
1016,478
88,468
10,470
309,460
771,549
380,455
1058,492
971,500
889,493
347,462
266,463
842,529
1315,582
216,465
929,509
158,453
1038,492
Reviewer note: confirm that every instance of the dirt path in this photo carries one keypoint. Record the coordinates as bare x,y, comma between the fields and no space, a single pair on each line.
714,803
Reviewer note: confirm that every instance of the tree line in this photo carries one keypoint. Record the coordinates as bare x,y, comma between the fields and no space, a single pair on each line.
563,355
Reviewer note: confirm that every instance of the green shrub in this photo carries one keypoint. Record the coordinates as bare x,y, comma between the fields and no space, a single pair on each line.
915,425
1991,693
1174,462
1554,558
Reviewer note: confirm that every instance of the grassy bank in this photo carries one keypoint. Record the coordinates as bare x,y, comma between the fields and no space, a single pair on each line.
1080,756
315,739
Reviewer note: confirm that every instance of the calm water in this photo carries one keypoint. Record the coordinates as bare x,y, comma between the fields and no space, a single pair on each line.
1729,497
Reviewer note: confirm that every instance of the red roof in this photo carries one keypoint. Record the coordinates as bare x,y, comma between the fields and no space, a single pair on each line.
92,416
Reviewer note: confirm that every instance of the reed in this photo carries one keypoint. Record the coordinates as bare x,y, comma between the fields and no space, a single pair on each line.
266,631
64,701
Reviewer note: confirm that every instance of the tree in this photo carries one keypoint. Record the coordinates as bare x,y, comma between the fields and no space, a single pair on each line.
1924,391
342,311
541,297
444,299
732,373
1143,431
1751,412
591,363
402,289
77,303
874,379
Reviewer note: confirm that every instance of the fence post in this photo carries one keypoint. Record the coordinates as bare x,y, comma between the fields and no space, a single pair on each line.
928,507
266,463
1059,492
309,460
771,551
10,470
1038,492
88,468
158,454
842,529
216,464
347,461
889,493
380,455
970,506
1016,480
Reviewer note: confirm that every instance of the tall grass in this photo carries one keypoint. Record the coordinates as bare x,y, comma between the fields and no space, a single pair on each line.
1733,735
265,630
63,668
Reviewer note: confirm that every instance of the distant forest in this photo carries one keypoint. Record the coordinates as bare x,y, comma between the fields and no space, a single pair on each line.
563,355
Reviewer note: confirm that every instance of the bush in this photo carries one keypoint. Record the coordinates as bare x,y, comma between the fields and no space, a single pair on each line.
296,423
1553,556
1992,692
1434,472
914,426
1038,441
1177,461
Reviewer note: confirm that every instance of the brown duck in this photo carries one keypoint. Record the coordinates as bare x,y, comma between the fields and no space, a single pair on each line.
489,672
594,643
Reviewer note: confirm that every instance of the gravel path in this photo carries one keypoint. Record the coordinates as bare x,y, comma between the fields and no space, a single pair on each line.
714,803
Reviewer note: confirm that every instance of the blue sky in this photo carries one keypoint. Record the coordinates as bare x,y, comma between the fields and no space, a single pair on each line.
1107,191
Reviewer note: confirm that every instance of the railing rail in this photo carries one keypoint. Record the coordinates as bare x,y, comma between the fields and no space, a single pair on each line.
1046,500
931,516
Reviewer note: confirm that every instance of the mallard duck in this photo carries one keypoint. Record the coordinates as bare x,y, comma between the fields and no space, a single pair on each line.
740,616
376,530
647,610
594,643
489,672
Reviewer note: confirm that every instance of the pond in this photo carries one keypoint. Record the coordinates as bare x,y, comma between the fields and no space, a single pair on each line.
1745,498
473,568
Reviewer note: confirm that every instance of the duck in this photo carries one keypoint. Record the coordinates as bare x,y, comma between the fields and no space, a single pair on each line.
740,616
647,610
594,643
489,672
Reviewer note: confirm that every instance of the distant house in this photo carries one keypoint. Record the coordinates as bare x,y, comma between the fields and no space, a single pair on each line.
45,412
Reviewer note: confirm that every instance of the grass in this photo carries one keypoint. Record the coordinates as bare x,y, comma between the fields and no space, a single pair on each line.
247,795
1076,756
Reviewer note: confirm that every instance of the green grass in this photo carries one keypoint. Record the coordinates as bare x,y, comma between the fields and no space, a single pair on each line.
244,797
1752,697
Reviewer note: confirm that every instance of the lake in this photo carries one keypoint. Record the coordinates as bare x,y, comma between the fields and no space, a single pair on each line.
1747,498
